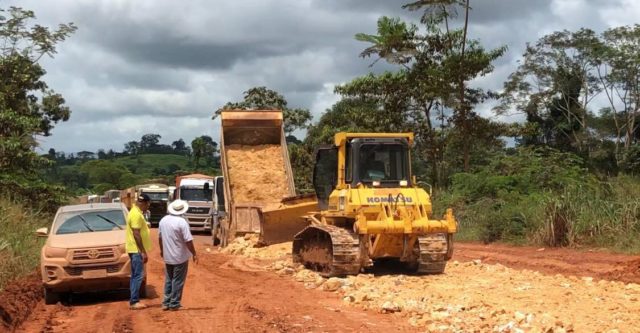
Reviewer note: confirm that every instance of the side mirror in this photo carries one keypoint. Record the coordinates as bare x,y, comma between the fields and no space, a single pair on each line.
42,232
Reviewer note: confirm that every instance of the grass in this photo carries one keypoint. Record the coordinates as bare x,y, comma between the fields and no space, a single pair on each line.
19,246
607,216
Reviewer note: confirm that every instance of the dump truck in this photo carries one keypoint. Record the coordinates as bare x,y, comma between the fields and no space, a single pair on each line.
199,191
371,207
259,190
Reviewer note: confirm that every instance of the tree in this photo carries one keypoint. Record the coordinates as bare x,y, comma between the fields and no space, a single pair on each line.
29,108
262,98
180,147
203,147
618,61
85,155
132,147
149,142
553,86
429,93
437,64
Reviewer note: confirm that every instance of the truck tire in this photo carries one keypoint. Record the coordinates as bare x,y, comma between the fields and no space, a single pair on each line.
51,297
215,232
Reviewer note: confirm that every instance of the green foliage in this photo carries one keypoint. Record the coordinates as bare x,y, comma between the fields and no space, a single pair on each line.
28,107
301,163
502,200
98,176
19,247
262,98
108,175
544,197
203,147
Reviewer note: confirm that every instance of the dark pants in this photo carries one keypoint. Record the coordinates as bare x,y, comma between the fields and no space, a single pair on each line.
174,279
137,275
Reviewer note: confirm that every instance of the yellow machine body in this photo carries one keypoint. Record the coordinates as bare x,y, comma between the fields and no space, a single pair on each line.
370,207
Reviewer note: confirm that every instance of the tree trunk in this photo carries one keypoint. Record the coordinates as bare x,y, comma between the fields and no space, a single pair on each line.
464,111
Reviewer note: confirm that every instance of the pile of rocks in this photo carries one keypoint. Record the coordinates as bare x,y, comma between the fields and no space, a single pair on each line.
474,296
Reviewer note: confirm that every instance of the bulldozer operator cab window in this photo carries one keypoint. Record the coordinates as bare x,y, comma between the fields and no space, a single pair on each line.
386,163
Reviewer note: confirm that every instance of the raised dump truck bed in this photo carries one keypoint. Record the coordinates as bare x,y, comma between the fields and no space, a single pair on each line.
257,172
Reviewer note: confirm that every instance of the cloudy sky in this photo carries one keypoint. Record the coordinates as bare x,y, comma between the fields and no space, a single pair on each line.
151,66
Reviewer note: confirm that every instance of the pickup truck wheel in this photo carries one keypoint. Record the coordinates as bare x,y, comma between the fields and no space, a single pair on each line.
51,297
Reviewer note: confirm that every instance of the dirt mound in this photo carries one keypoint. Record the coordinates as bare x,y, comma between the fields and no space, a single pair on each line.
629,272
257,173
248,246
18,299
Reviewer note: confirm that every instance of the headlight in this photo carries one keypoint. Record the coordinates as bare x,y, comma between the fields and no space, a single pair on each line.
122,248
55,252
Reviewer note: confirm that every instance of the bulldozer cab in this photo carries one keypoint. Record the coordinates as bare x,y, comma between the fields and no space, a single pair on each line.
372,160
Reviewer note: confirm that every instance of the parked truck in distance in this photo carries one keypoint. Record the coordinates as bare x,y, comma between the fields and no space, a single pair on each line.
199,191
159,194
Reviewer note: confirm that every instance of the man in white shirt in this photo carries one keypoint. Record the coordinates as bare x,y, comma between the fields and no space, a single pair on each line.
176,247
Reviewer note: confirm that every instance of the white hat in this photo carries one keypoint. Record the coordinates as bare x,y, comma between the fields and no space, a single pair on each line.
178,207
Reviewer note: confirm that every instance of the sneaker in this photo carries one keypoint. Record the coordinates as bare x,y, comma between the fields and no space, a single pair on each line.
175,308
137,306
165,307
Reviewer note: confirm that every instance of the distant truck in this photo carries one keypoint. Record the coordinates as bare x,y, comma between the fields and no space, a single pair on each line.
159,194
199,191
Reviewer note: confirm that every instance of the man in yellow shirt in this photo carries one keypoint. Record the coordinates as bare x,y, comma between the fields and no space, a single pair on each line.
138,245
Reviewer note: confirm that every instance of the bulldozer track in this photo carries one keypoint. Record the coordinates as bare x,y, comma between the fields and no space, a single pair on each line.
335,255
433,253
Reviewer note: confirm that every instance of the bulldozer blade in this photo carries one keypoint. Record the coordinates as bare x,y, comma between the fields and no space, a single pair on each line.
279,224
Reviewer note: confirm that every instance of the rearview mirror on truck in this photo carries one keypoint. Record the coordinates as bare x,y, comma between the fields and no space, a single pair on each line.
42,232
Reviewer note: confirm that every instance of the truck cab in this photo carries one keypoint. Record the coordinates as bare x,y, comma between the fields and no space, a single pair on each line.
159,195
205,201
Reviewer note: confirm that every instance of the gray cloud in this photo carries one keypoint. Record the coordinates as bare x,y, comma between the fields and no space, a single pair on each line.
136,67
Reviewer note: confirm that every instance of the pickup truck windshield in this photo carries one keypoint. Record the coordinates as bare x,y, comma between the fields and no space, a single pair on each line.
195,194
89,221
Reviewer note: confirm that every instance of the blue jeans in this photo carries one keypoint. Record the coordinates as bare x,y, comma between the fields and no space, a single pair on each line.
137,275
174,279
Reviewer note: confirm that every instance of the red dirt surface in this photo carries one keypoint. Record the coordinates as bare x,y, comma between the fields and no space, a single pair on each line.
223,294
235,294
18,299
602,265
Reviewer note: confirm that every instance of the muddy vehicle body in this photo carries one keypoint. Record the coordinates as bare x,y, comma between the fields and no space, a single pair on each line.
85,250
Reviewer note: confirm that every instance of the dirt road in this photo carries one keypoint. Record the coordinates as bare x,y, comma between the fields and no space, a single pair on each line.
223,294
487,288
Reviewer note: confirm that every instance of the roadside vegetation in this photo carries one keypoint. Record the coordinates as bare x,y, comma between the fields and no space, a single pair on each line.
19,245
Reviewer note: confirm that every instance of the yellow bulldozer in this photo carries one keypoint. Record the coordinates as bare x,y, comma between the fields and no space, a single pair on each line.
370,207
